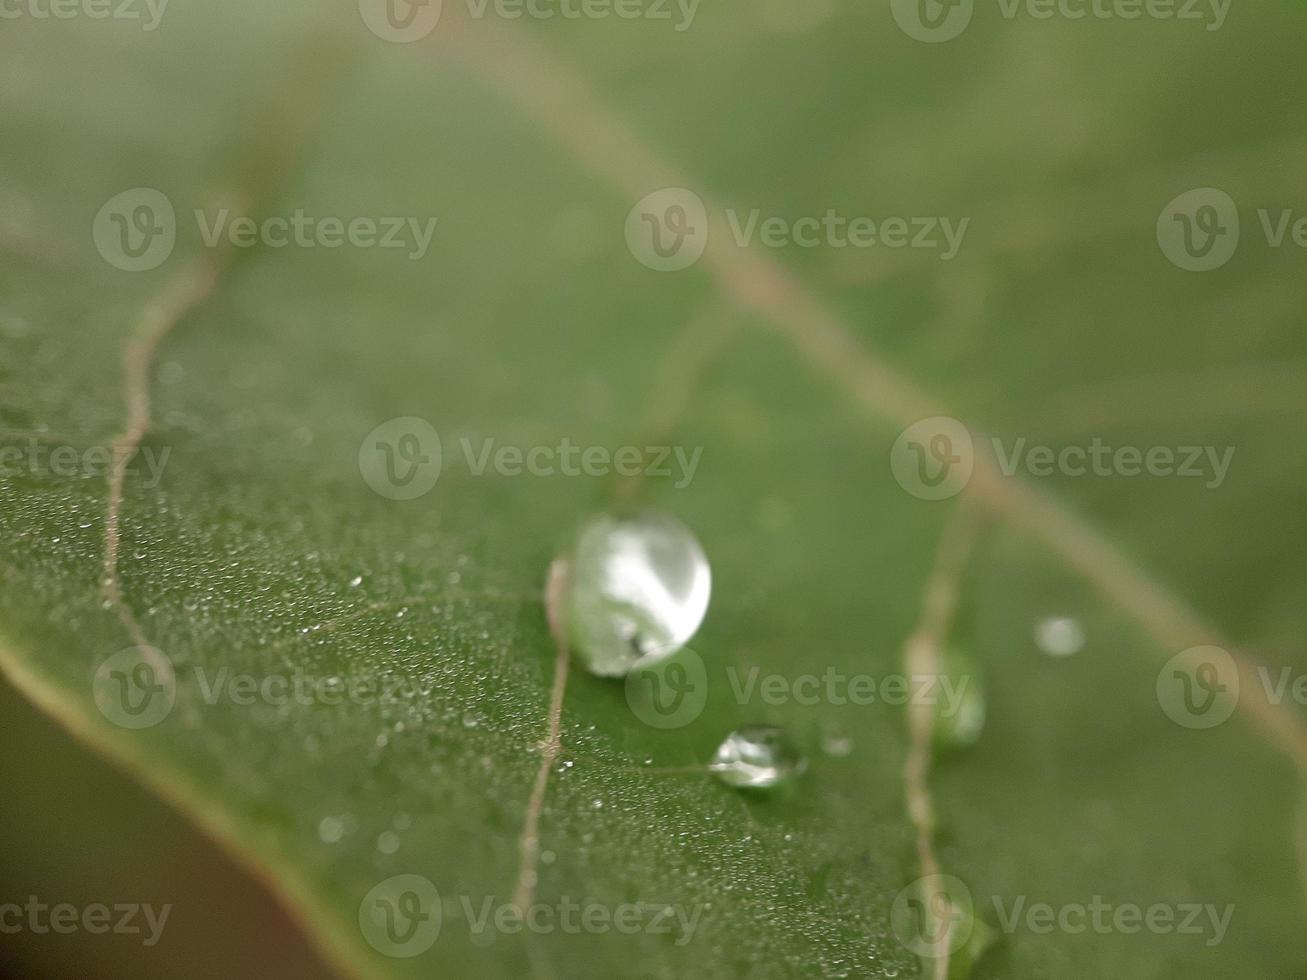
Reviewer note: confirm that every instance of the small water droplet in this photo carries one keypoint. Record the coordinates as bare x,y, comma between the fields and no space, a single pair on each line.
470,719
388,842
959,704
639,586
757,756
330,829
356,581
1060,636
837,744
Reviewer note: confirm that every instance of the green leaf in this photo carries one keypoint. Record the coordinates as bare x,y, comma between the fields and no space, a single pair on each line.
359,690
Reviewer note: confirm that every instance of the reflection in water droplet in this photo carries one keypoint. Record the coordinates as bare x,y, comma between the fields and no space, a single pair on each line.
1060,636
639,587
757,756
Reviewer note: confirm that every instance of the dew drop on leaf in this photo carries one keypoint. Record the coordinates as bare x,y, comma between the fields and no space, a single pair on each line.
959,703
757,756
639,587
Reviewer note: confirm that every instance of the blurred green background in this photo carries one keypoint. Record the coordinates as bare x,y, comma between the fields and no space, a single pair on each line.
1060,319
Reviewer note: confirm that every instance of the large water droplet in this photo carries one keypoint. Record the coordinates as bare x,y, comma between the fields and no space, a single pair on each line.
639,588
757,756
